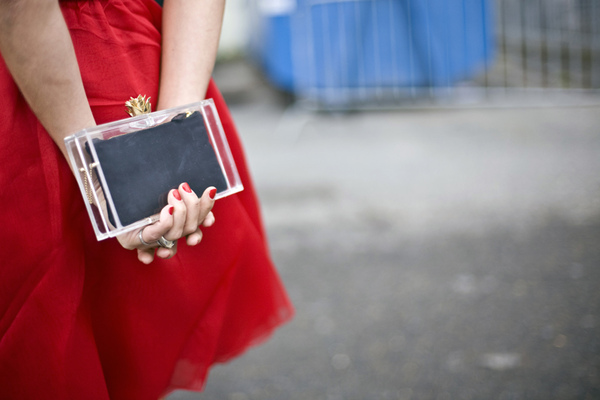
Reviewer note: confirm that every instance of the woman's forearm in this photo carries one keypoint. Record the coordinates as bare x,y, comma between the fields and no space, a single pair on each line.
36,46
191,31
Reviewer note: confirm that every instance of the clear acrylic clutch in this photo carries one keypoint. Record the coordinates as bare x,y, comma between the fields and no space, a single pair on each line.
125,169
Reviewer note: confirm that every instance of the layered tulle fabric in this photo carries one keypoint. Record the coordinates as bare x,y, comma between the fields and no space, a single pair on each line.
83,319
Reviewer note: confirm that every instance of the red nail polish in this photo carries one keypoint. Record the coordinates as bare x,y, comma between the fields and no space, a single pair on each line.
212,193
186,187
176,194
171,210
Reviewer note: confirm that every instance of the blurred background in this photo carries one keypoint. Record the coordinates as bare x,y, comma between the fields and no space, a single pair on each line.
429,172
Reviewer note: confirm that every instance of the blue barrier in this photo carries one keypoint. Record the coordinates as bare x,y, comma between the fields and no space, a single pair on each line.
353,44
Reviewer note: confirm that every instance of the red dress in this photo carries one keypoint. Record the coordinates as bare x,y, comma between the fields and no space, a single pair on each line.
81,319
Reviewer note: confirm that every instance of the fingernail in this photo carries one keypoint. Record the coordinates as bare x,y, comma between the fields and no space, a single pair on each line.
176,194
171,210
212,193
186,187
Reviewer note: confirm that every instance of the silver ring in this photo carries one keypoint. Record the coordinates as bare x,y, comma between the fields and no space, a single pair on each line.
162,242
141,239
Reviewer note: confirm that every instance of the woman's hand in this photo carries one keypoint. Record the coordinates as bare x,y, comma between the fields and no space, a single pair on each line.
183,216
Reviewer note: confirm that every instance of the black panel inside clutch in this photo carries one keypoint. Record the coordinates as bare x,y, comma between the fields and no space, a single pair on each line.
142,167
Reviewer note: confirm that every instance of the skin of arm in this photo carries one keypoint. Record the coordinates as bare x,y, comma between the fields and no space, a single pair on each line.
36,46
190,38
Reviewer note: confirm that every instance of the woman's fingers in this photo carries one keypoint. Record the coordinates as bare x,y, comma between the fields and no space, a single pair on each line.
197,208
179,215
192,203
209,220
146,255
199,212
207,201
194,238
165,253
151,233
183,216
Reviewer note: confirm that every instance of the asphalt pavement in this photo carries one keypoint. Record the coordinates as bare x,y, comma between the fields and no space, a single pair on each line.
430,254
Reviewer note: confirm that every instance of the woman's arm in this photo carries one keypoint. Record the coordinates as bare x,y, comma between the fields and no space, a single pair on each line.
190,38
191,31
36,46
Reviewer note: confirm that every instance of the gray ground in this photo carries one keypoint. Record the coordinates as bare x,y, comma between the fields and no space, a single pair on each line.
449,254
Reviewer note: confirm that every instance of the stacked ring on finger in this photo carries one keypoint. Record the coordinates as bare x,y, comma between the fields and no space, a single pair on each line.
162,242
142,239
166,243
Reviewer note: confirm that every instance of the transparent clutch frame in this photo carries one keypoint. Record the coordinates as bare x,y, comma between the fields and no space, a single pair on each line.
91,179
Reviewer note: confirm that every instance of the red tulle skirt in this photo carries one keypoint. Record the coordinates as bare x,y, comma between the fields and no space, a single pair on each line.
82,319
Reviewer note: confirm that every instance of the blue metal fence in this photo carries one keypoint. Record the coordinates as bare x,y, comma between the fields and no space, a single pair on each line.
340,53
